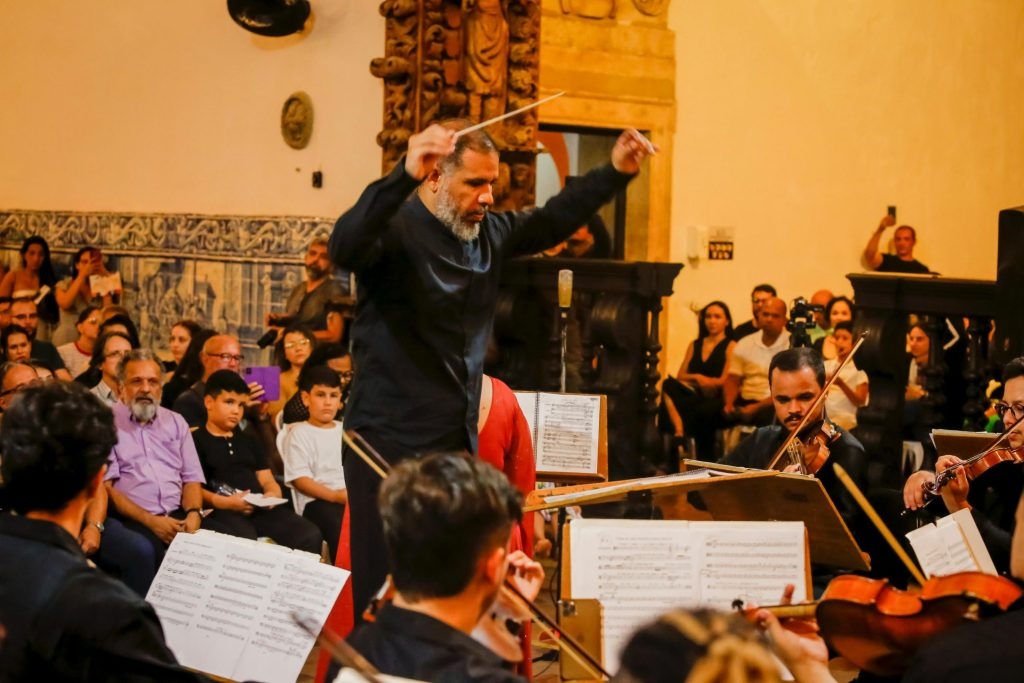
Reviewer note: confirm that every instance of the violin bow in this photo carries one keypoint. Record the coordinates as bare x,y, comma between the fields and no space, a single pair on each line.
338,649
795,434
869,510
378,464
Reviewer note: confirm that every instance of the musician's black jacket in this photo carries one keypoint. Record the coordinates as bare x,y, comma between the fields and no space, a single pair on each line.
756,451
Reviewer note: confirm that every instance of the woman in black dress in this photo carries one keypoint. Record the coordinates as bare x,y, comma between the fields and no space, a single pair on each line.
692,400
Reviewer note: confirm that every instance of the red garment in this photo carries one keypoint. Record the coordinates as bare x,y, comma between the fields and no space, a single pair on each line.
506,443
341,620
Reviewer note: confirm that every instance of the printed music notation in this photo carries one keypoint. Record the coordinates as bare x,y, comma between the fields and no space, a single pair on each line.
565,430
226,603
639,569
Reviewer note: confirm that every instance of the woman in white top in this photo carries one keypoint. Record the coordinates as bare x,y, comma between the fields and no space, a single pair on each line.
77,354
850,390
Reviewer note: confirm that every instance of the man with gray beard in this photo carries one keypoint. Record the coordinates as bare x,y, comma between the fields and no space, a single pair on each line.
154,477
428,255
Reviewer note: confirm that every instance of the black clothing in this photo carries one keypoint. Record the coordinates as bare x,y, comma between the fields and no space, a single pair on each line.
190,406
68,622
234,461
230,460
700,411
744,330
988,650
326,517
46,355
426,302
413,645
423,319
894,264
756,451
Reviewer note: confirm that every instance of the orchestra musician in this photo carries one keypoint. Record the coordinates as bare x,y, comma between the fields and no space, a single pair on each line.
796,378
991,499
448,520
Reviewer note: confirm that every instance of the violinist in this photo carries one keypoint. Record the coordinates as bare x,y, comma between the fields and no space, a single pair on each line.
796,378
992,498
447,525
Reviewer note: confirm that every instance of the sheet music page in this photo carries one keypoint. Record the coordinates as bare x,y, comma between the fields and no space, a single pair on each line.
347,675
567,433
638,569
975,543
528,404
931,551
226,603
750,561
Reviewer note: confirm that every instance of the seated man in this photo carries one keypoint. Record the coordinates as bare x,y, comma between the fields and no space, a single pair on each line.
221,352
312,455
447,525
63,620
758,297
154,478
25,314
993,498
797,377
307,302
234,465
746,392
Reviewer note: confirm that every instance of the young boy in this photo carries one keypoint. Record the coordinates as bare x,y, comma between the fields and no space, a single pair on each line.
235,464
312,455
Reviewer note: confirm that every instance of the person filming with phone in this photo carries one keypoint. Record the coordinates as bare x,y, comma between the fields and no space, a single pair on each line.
903,241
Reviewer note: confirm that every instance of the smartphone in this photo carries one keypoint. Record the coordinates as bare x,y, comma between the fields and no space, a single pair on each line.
268,377
892,212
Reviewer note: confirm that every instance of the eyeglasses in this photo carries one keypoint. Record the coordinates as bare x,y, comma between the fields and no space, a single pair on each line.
1016,410
294,344
226,357
117,354
346,375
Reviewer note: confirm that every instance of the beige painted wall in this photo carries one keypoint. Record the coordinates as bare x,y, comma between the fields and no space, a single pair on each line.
800,120
151,105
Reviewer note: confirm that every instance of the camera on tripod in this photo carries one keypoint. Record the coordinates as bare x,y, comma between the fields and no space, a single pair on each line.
801,319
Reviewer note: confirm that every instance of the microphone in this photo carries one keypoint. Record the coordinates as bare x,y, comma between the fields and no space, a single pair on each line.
565,288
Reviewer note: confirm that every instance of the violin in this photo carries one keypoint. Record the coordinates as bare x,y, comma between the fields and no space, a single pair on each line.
978,464
818,441
879,628
795,456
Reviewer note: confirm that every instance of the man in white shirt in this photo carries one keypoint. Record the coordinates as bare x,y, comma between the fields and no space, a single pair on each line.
747,392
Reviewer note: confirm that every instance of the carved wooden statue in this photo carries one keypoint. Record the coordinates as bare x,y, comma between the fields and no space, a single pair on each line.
472,59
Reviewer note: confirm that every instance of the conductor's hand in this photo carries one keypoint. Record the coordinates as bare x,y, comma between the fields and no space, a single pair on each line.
525,574
913,494
954,493
425,148
630,149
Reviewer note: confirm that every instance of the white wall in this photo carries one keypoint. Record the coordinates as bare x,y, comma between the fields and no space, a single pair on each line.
800,120
151,105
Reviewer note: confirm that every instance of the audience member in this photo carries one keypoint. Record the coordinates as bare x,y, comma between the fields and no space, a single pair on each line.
120,322
337,358
5,311
447,521
307,301
62,620
25,314
850,390
761,295
904,240
235,465
312,456
154,478
692,400
919,348
102,375
14,376
839,309
27,283
294,349
182,333
220,352
820,329
190,368
16,344
747,387
75,293
77,354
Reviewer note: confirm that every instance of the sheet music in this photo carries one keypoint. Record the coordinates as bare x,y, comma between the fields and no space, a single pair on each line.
226,603
100,285
639,569
568,428
953,544
262,501
528,404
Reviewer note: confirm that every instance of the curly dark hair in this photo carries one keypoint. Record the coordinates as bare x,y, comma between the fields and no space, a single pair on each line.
55,437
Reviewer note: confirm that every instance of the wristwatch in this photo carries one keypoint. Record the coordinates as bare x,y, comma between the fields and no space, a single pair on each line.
98,525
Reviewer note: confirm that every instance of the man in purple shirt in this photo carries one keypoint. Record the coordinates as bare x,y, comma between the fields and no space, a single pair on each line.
154,477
